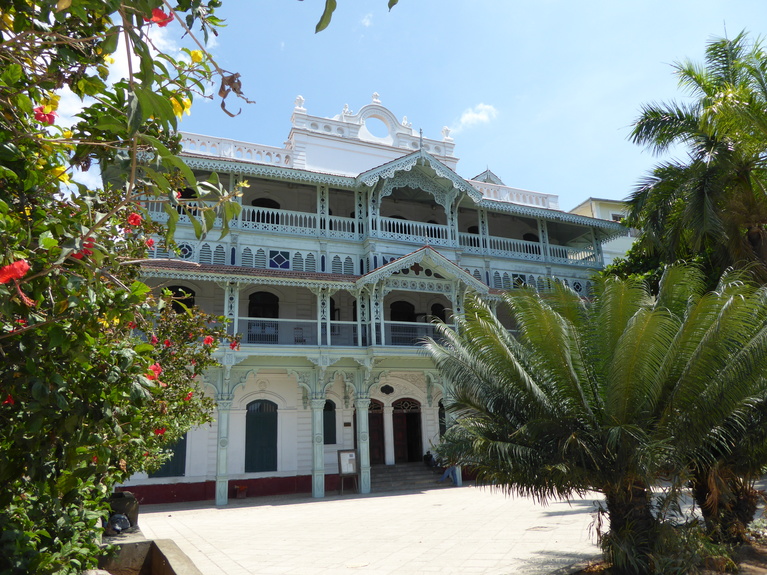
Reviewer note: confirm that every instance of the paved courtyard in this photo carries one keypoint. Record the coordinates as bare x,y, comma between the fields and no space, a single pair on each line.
443,530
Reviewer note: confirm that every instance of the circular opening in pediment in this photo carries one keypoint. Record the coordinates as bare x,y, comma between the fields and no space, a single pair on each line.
377,128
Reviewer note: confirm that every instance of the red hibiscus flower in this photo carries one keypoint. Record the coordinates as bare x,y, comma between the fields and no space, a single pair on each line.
155,367
149,242
14,271
160,431
132,325
159,17
9,400
154,340
135,219
208,340
189,396
167,343
41,116
233,344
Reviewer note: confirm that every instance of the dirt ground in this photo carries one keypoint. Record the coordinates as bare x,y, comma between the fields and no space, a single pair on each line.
751,559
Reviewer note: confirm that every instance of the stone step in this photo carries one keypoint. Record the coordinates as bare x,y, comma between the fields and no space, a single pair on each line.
402,476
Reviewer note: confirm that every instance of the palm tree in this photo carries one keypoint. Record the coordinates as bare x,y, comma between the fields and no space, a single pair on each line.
606,396
715,202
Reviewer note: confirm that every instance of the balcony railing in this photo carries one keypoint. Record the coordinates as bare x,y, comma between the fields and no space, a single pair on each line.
272,220
415,232
402,333
573,256
268,331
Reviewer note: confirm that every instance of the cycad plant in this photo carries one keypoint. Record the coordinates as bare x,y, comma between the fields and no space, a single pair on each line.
608,395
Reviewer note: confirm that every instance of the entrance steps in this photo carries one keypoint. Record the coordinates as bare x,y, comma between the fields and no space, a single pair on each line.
404,476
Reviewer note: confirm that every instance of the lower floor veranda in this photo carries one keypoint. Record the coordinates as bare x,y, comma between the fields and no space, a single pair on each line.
280,423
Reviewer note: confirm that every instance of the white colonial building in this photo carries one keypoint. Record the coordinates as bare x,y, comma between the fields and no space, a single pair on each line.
348,245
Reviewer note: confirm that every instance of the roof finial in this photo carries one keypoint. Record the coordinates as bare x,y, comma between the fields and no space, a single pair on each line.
420,139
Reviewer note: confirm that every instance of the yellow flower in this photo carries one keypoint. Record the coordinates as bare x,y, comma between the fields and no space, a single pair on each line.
61,173
109,60
51,103
180,108
66,134
196,56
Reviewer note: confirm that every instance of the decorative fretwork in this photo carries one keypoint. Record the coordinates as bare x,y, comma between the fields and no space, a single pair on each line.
260,259
219,256
298,262
406,405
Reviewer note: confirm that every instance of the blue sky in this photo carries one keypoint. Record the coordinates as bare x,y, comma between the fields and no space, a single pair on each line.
552,86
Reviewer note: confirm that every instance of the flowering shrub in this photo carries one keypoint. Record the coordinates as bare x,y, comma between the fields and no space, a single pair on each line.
87,396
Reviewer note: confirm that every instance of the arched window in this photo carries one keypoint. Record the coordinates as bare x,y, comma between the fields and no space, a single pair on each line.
530,237
261,436
182,296
329,422
263,304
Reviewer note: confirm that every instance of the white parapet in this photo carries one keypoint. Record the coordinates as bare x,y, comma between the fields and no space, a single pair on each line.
198,144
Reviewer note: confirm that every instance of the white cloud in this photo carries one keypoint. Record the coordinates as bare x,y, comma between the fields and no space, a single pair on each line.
479,114
367,20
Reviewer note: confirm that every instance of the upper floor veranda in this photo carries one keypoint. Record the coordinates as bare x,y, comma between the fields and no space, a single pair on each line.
337,199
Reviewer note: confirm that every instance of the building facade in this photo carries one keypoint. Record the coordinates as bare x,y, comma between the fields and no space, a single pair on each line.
352,239
614,210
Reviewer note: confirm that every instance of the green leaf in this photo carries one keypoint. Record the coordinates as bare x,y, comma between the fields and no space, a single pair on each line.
11,74
330,7
392,3
134,113
109,45
47,241
139,289
144,348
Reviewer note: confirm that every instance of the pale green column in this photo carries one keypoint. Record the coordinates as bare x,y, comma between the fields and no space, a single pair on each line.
363,442
224,405
318,448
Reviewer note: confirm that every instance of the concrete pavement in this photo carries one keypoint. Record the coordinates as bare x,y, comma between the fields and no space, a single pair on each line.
446,530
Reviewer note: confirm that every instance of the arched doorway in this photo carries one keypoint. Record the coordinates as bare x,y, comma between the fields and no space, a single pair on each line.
266,217
401,312
261,436
376,441
406,415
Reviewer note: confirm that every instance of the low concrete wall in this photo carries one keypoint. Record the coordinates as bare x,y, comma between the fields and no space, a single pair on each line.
145,557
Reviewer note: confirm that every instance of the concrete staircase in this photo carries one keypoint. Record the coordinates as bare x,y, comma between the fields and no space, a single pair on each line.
404,477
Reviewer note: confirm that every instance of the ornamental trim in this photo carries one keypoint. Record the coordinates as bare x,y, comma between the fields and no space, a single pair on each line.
289,174
609,229
249,280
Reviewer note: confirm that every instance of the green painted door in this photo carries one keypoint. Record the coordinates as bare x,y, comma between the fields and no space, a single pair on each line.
261,436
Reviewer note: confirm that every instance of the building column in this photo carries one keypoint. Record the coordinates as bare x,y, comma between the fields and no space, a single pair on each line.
362,404
378,324
322,210
232,305
224,405
388,423
598,255
543,238
318,448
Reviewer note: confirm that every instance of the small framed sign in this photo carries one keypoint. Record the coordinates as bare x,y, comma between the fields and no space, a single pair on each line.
347,462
